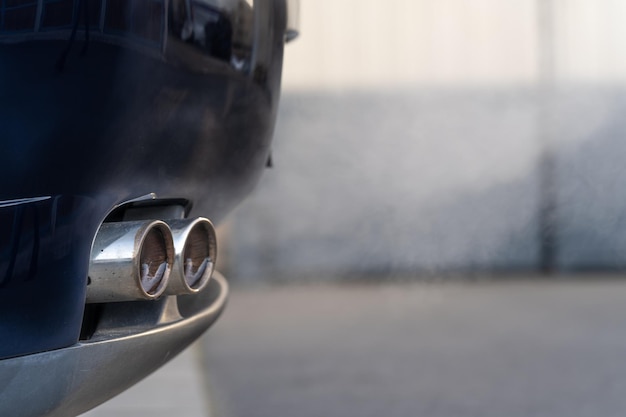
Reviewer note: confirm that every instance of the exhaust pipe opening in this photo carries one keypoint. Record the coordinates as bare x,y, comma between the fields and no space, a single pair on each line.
195,243
130,261
196,255
153,261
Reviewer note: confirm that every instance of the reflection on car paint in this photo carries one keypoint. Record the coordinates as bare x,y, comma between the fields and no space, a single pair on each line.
219,29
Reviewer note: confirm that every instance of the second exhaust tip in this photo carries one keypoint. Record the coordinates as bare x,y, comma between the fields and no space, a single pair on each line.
195,246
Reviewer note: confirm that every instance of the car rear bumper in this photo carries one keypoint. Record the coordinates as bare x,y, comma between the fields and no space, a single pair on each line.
130,341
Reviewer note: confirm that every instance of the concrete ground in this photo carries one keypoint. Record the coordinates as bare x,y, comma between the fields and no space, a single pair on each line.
525,348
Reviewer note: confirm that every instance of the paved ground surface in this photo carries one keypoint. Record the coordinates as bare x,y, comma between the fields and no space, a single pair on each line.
506,349
481,349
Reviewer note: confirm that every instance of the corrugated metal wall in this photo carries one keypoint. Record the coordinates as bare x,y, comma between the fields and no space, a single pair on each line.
440,135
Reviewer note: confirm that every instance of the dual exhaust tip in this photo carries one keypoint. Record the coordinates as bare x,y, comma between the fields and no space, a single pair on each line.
142,260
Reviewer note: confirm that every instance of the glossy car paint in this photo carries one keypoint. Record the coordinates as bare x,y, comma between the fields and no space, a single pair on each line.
103,102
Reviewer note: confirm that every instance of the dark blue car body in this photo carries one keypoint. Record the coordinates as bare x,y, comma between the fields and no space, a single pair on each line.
106,105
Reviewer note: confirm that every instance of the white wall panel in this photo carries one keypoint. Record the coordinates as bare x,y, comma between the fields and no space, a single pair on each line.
369,43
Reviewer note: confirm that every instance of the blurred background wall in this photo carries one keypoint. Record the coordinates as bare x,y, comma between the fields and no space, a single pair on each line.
421,137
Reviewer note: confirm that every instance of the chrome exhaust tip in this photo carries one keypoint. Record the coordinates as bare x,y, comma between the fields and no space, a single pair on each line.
195,244
130,261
